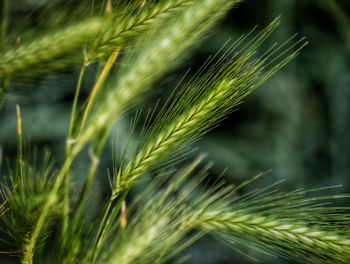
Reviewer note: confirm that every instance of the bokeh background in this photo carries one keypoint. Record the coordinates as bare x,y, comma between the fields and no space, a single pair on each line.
297,124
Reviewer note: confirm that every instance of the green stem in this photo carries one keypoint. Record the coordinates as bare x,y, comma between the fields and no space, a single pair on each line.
107,213
95,157
100,141
99,84
74,109
69,143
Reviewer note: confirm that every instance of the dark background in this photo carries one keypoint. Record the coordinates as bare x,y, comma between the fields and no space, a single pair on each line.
297,124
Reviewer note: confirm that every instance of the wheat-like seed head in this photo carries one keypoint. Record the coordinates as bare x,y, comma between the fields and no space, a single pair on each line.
134,25
105,34
158,53
205,103
50,46
287,224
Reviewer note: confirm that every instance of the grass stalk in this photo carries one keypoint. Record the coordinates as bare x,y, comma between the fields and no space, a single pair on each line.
70,137
98,85
111,207
96,151
69,143
86,109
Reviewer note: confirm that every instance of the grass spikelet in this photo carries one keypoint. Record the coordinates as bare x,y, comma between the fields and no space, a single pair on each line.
206,102
106,33
289,224
133,25
158,54
51,46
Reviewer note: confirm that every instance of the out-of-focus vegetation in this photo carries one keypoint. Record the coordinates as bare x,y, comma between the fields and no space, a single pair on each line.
297,125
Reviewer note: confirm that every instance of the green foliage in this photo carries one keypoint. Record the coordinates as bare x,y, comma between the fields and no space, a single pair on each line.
26,194
49,220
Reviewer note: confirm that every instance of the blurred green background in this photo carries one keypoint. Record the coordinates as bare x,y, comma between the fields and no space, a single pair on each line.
297,124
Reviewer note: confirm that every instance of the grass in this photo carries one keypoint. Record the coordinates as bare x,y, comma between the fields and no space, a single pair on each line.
46,224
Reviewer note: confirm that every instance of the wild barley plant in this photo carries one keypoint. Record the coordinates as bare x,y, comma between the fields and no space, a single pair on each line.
45,222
